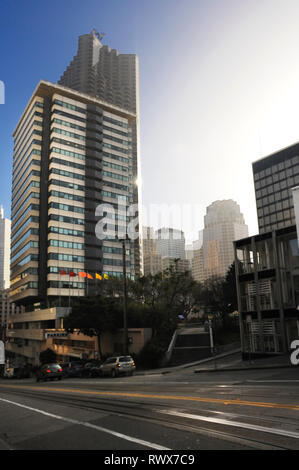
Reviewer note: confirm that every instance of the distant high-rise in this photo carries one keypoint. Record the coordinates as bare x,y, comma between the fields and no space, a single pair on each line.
100,71
5,227
223,223
274,178
170,243
152,260
197,261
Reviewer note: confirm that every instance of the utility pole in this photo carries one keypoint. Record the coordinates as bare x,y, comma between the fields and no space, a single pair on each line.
125,298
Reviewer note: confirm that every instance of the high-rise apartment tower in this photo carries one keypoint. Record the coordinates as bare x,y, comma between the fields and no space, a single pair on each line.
72,153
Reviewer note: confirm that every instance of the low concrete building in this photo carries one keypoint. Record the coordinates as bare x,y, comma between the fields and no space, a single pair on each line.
30,333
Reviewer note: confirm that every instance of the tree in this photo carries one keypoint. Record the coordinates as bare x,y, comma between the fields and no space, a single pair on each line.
93,316
47,356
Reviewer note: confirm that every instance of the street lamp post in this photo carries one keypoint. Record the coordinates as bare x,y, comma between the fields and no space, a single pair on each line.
125,298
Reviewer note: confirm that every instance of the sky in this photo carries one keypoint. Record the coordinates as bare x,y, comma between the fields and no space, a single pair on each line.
219,88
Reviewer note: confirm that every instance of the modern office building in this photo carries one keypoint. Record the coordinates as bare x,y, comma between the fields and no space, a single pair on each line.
267,266
274,178
72,154
5,228
170,243
99,71
223,223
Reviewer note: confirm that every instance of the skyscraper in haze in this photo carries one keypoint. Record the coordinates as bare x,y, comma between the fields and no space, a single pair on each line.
100,71
223,223
170,243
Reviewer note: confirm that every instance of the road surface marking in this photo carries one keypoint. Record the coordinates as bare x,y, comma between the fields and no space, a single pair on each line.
280,432
222,401
90,425
276,381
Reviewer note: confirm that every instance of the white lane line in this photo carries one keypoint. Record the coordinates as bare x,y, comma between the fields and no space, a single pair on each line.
271,381
90,425
280,432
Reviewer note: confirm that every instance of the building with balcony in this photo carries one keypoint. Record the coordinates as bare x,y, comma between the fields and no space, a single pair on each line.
267,275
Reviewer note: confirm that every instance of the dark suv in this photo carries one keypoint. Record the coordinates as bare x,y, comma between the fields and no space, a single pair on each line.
72,369
49,372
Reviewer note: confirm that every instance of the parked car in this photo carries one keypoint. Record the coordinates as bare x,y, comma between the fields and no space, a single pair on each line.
91,369
17,372
49,372
72,369
115,366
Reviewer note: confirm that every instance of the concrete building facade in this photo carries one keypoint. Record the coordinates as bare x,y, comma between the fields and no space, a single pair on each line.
5,230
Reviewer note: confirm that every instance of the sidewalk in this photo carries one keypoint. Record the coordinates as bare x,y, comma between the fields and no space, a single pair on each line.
168,370
271,362
211,364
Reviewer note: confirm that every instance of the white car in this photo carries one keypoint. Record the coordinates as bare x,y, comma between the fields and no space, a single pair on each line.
117,365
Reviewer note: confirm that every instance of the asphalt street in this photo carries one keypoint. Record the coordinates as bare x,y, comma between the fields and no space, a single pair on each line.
183,409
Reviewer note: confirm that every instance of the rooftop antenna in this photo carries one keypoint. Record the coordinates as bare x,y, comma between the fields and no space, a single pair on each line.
98,35
260,143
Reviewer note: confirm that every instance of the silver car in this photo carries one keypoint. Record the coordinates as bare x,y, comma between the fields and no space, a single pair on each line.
117,365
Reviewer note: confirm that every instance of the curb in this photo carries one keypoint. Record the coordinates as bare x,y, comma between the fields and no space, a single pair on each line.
243,368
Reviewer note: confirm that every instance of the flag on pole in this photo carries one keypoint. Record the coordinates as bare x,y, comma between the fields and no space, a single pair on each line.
89,276
81,274
72,274
62,272
106,276
98,276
